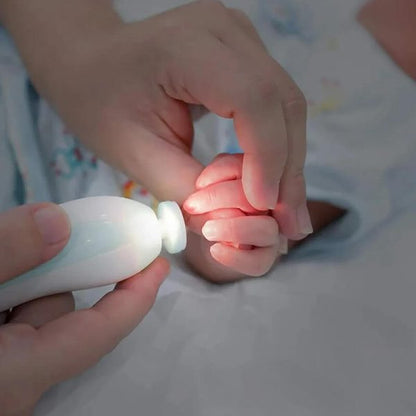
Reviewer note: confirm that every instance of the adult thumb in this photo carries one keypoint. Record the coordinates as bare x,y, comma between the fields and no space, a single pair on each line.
30,235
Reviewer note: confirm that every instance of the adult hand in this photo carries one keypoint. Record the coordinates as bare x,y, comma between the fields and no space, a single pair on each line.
44,341
124,89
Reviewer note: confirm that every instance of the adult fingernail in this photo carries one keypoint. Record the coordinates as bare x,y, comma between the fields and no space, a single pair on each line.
209,231
272,193
267,200
304,221
283,244
52,223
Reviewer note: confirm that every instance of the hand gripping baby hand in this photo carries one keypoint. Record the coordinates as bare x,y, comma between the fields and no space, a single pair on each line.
244,239
124,89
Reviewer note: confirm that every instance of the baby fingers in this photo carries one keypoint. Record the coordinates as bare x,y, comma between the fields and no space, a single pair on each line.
195,223
224,167
255,262
259,231
218,196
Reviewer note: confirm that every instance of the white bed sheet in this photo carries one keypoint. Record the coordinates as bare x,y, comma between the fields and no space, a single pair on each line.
318,337
322,337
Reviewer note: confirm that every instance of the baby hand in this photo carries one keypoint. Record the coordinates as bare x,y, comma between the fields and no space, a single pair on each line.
244,239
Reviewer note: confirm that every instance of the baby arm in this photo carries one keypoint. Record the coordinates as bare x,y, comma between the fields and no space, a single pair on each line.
228,238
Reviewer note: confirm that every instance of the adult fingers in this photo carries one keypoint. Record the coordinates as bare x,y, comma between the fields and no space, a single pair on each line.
254,262
224,167
29,236
221,195
260,166
270,115
291,211
292,214
229,25
242,90
178,170
195,223
76,341
40,311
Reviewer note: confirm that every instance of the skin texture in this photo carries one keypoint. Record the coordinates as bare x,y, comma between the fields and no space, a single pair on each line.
45,341
240,241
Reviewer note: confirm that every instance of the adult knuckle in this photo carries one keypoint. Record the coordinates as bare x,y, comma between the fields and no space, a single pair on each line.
262,94
294,104
297,175
266,91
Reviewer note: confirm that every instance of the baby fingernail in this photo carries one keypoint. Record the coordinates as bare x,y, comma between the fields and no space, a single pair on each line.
190,205
52,223
304,221
283,244
201,183
209,231
215,250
